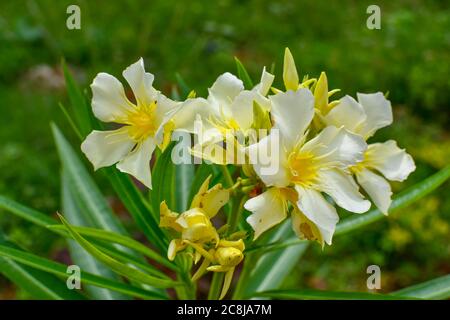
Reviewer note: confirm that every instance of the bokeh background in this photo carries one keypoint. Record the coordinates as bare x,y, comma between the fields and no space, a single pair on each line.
409,57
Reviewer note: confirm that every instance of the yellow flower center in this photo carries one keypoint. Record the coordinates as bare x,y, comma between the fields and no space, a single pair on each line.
141,122
360,166
303,168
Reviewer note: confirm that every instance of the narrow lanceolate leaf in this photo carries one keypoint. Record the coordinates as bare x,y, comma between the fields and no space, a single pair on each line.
87,262
78,103
131,261
402,200
269,271
438,288
71,122
38,284
163,176
184,175
93,203
285,260
136,204
40,219
111,237
86,277
325,295
31,215
79,256
118,267
184,88
243,74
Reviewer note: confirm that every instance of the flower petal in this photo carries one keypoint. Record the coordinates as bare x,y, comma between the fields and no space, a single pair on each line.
318,210
394,163
104,148
140,82
192,109
377,188
210,200
175,246
264,85
268,209
216,153
165,109
336,146
167,218
348,113
242,108
269,160
109,102
305,228
197,227
292,112
343,189
378,112
225,89
137,163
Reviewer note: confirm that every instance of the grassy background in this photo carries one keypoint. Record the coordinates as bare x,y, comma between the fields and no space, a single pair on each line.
409,57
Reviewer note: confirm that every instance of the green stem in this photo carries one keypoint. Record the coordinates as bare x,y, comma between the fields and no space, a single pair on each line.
238,207
245,272
227,176
186,292
216,286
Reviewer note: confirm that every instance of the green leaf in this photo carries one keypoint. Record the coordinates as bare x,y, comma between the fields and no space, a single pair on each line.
79,105
86,277
182,85
243,74
44,221
130,260
281,257
402,200
94,205
120,268
270,269
31,215
163,178
438,288
38,284
216,285
119,239
184,176
79,256
136,204
70,121
325,295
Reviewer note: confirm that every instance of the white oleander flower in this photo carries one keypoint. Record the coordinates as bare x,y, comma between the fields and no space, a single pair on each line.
229,109
364,117
132,145
309,166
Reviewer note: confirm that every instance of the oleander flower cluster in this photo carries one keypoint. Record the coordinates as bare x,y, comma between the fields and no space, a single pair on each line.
298,152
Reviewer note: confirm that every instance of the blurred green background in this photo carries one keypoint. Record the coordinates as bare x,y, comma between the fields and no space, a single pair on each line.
409,57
